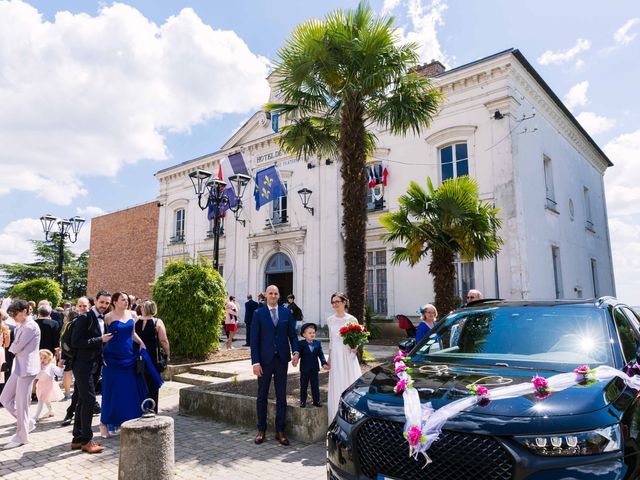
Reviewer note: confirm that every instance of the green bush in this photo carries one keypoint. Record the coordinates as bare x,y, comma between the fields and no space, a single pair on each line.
38,289
191,299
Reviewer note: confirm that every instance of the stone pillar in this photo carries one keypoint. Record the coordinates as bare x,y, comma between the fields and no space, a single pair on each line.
147,449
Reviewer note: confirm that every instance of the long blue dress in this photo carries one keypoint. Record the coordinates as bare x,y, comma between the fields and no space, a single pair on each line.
123,389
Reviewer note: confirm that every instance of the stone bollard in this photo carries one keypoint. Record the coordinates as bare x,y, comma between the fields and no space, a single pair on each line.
147,449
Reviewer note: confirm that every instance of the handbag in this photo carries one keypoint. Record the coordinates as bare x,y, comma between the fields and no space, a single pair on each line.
140,367
161,361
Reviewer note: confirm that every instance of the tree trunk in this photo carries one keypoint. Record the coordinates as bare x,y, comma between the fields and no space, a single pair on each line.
354,203
444,276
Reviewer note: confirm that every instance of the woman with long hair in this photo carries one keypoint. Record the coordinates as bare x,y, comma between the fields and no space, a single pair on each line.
343,362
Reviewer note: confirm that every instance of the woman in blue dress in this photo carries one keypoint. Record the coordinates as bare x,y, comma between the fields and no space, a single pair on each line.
428,318
123,388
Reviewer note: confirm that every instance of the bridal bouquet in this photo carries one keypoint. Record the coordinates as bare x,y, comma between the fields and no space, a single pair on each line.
353,334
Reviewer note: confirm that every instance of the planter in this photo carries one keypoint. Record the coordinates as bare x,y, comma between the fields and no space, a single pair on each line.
303,424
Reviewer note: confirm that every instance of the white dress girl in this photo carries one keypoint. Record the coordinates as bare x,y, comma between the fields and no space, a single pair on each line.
345,368
47,389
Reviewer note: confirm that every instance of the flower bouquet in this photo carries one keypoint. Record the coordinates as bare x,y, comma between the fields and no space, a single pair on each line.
353,334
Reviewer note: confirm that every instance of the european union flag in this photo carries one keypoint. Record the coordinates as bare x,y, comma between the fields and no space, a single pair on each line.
268,186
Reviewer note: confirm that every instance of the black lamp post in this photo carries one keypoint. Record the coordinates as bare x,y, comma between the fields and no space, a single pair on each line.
305,195
67,229
217,198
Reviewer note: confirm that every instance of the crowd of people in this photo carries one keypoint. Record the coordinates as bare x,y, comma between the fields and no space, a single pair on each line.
113,344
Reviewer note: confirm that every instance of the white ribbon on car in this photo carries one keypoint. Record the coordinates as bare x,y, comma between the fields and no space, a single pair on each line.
424,424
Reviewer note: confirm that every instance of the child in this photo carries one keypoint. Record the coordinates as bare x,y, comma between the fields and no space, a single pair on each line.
310,353
47,389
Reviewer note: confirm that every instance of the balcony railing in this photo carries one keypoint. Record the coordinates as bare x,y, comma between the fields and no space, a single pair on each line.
176,239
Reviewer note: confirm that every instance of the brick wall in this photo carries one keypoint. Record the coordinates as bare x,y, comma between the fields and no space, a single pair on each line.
122,251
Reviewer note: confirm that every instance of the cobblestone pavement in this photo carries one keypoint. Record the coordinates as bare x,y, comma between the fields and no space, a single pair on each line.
203,450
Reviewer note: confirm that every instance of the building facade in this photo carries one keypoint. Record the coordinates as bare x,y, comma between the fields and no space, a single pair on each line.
122,251
500,124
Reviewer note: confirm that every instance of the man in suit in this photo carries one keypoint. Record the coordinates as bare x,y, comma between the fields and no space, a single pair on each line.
49,329
17,392
272,333
250,306
87,339
54,314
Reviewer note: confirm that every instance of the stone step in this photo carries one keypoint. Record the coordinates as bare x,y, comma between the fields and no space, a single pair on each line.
195,379
207,372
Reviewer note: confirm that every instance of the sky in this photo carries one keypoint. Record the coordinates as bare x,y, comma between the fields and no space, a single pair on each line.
95,97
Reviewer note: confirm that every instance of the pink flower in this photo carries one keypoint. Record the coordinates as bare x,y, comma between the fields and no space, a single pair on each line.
401,386
482,391
583,370
414,436
401,368
540,383
542,396
400,357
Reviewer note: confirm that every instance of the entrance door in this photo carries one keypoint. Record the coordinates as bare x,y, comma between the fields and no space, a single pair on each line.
279,272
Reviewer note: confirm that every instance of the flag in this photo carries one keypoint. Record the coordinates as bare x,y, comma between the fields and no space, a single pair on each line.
228,166
268,186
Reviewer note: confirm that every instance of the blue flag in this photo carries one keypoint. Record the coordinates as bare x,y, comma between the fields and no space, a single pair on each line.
268,186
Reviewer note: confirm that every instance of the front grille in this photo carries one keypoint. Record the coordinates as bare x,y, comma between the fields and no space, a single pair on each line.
382,449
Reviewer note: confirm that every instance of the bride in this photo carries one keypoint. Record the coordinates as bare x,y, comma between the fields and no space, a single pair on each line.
343,362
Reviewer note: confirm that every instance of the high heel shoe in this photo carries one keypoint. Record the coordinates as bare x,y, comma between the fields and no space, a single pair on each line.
104,432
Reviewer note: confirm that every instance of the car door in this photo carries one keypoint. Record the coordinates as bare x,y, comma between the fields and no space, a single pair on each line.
628,330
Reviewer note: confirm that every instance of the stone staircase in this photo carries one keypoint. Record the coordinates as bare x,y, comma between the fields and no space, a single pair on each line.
214,373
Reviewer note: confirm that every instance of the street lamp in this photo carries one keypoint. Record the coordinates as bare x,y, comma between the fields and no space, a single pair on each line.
217,198
305,195
67,229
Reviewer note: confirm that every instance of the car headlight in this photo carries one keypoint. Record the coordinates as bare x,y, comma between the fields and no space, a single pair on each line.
348,413
601,440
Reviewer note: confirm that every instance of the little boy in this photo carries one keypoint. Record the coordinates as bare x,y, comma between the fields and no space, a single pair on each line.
310,353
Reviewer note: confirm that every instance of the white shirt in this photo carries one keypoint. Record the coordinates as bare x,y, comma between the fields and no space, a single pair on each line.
100,319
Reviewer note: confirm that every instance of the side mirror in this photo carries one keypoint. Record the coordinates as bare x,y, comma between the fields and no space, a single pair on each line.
407,345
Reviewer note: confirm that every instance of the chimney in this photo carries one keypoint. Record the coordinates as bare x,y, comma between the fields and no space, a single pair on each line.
431,69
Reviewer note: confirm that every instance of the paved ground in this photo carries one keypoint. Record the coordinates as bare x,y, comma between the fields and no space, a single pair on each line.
204,449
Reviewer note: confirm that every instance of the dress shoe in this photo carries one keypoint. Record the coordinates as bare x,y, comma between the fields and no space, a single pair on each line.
66,422
282,438
12,444
96,409
317,404
259,437
303,405
92,447
246,345
76,445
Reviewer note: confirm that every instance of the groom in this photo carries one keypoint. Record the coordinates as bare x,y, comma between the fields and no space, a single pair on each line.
272,332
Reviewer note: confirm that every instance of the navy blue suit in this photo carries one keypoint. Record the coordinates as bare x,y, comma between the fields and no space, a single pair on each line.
270,348
249,309
309,369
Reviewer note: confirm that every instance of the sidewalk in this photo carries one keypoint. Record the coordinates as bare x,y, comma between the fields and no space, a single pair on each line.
203,450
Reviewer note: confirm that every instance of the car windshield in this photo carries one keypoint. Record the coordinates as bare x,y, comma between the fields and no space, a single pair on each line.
552,337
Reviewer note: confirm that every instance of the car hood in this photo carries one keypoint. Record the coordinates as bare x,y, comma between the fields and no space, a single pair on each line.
444,384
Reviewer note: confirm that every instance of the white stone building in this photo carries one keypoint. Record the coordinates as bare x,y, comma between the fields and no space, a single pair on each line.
500,122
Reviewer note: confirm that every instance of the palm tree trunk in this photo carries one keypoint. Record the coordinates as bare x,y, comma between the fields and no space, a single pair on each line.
354,203
444,276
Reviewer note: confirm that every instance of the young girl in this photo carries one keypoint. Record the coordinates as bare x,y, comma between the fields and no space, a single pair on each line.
47,389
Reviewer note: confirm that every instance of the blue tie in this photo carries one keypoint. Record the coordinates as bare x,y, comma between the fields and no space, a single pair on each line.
274,316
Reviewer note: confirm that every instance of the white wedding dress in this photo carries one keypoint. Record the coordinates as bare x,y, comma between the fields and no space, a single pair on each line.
345,368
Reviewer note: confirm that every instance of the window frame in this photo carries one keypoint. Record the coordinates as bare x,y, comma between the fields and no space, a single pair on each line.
550,192
377,297
557,271
454,159
179,225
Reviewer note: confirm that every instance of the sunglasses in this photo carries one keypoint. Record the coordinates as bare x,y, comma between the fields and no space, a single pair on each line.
333,302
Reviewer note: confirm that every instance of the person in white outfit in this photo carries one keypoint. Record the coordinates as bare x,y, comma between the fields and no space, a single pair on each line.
16,394
47,388
343,360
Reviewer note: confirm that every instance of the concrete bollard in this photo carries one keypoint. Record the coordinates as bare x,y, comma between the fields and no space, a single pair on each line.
147,449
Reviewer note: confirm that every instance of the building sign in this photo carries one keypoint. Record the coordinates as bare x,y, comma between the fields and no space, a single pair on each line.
269,156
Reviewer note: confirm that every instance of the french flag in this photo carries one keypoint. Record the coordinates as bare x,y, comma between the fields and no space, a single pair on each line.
228,166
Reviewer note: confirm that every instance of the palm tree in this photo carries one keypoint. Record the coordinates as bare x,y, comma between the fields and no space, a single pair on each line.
443,222
337,78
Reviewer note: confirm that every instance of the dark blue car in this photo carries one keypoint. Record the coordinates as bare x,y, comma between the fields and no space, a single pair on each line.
578,433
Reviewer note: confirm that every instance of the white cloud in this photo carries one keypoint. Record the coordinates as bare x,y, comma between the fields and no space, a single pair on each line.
625,246
90,212
595,124
424,27
577,95
88,94
580,64
622,35
16,238
549,57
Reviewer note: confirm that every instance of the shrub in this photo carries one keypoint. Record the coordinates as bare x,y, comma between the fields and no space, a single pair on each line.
38,289
191,299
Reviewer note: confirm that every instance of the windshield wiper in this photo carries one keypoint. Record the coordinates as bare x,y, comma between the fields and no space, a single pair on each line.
519,367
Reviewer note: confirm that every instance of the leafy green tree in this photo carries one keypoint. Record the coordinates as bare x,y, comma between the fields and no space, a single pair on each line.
191,299
338,79
75,268
38,289
443,222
